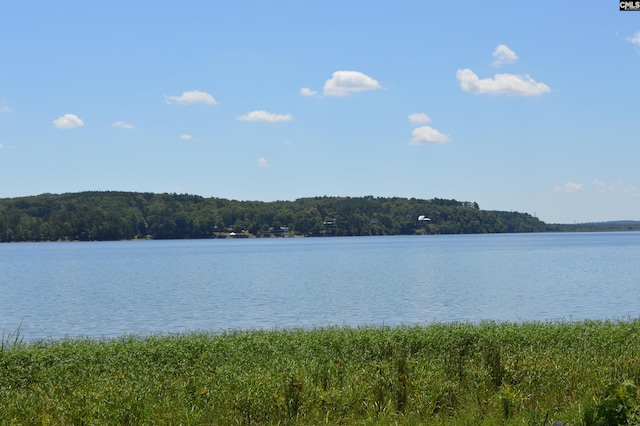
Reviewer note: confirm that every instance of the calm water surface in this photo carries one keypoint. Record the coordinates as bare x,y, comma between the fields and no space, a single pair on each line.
106,289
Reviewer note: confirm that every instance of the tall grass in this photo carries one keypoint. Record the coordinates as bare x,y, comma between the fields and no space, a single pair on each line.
10,340
487,373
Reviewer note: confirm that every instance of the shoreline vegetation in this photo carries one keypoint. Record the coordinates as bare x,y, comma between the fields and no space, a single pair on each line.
578,373
111,215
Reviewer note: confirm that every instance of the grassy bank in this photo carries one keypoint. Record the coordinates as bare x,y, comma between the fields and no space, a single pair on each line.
489,373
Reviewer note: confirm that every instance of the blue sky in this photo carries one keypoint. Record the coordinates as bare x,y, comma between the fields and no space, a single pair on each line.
524,106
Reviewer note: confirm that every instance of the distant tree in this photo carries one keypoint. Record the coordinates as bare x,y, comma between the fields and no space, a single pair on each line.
126,215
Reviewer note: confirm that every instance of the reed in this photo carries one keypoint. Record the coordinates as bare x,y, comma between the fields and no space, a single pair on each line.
445,374
10,340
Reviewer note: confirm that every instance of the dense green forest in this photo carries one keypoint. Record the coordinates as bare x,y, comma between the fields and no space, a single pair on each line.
128,215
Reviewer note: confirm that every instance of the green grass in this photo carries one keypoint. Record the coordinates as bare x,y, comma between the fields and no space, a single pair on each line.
442,374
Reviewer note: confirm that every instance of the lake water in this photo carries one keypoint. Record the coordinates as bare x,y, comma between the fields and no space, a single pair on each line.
107,289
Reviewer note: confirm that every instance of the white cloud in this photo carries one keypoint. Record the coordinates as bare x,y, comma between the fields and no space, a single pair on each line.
263,163
503,55
632,189
305,91
419,118
500,84
343,83
1,146
68,121
616,187
123,125
426,135
264,116
570,187
186,137
191,97
635,39
604,187
601,187
4,108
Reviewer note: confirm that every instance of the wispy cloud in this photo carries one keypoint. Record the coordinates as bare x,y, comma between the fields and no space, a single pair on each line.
500,84
186,137
4,108
600,187
68,121
616,187
123,125
569,187
635,39
419,118
191,97
428,135
263,163
262,115
503,55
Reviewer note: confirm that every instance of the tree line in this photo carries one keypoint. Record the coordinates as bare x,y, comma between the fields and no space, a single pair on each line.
103,216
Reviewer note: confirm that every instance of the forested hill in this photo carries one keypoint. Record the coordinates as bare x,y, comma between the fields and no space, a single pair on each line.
129,215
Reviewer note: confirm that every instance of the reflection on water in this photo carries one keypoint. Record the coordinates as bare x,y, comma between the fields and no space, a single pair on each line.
146,287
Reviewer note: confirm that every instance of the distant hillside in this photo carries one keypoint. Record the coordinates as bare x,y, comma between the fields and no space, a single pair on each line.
612,226
127,215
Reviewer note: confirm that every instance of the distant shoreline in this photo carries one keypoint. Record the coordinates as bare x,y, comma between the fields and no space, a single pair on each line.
113,216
